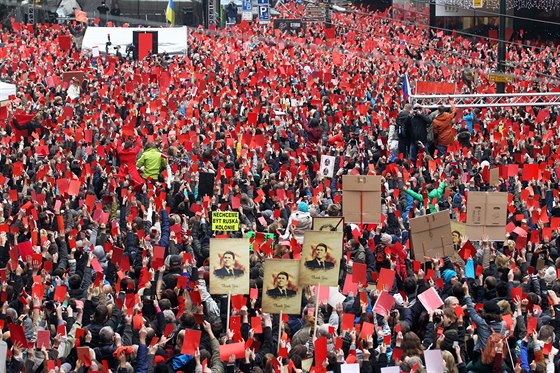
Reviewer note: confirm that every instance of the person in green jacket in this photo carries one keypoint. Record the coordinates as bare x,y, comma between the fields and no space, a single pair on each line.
432,193
152,162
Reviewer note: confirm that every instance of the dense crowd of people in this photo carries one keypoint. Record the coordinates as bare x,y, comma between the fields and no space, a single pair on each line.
101,175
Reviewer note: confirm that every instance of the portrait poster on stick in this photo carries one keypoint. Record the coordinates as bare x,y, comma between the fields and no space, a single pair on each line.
327,165
229,266
281,289
328,223
320,258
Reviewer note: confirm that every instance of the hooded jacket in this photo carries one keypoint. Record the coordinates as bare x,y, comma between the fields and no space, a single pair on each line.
444,133
152,161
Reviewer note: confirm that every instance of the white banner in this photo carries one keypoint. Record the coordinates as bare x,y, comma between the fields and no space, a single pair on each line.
171,40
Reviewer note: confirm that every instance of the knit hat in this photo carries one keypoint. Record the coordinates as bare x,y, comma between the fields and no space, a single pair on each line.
303,207
491,306
448,274
550,274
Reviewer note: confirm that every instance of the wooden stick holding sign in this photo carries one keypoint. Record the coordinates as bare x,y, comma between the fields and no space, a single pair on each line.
280,327
317,293
228,311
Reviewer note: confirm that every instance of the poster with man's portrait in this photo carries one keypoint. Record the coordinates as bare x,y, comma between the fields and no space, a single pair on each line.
229,266
327,166
281,290
320,258
328,223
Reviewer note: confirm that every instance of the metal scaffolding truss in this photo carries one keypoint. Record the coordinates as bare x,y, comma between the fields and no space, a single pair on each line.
489,100
31,12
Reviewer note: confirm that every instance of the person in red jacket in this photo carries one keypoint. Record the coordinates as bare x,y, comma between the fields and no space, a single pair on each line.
444,133
127,156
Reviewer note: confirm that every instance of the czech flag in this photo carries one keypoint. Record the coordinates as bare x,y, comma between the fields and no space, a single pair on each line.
407,90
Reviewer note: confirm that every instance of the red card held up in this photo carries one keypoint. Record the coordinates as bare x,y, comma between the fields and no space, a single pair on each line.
347,321
386,279
236,349
430,299
191,341
182,283
254,293
367,330
320,350
137,321
531,325
17,334
384,303
516,293
43,339
359,271
83,355
60,293
349,285
256,325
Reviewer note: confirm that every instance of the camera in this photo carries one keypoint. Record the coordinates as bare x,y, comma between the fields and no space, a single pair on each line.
437,319
393,313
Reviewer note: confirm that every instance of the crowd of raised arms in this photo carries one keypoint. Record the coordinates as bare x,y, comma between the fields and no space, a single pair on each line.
101,175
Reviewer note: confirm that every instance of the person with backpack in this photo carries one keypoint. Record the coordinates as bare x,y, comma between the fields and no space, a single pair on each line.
421,132
402,129
490,329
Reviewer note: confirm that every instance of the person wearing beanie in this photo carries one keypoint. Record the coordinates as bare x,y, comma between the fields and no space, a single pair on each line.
448,275
550,275
304,223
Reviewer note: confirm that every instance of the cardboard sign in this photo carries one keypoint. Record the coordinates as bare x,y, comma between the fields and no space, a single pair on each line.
320,258
494,176
281,289
487,215
361,199
327,223
229,266
327,166
225,221
431,236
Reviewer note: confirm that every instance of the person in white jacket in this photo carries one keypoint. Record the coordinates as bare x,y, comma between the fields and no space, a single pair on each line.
304,223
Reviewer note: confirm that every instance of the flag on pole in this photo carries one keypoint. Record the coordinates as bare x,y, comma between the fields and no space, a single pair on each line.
80,16
170,12
407,90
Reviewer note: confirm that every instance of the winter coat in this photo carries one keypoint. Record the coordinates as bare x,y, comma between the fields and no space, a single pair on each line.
419,128
152,161
402,121
436,193
304,223
482,328
127,158
444,133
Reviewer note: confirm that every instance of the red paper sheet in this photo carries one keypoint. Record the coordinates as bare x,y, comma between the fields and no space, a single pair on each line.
191,341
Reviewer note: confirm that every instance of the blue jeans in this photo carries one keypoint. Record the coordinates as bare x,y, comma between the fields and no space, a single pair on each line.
441,150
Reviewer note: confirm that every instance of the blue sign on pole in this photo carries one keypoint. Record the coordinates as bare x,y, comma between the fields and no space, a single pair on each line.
264,13
247,5
262,2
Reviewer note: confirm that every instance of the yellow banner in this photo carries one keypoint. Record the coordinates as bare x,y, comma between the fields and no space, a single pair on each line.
225,221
